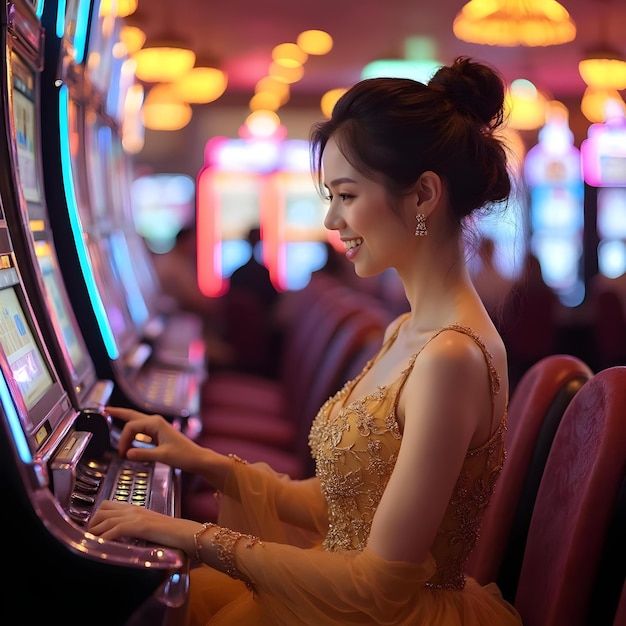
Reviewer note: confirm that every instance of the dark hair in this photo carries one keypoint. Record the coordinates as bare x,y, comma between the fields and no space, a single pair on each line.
394,129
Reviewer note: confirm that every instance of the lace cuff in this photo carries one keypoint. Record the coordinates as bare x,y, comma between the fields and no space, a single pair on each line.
225,540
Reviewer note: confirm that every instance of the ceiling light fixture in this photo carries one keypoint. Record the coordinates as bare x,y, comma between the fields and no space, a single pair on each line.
525,106
596,100
163,110
132,37
514,23
201,85
604,69
163,60
289,55
315,42
120,8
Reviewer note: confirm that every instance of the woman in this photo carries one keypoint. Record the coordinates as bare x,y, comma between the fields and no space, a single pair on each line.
408,453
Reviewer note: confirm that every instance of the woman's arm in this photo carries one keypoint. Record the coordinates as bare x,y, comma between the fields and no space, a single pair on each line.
445,400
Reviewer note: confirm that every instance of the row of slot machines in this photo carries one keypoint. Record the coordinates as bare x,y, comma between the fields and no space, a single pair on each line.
82,326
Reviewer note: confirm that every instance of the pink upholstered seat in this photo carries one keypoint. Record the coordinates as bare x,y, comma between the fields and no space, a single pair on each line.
574,506
535,409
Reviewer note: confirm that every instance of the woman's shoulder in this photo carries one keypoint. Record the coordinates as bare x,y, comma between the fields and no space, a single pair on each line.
463,351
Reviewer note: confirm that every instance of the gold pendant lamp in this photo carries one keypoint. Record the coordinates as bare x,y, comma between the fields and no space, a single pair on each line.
514,23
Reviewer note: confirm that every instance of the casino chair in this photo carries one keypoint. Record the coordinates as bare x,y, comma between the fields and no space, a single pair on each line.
575,504
269,411
609,583
535,410
282,440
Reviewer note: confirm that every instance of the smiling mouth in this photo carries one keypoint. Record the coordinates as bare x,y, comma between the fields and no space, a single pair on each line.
352,243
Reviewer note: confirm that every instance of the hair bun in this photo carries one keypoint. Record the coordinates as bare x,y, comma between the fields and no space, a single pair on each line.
474,88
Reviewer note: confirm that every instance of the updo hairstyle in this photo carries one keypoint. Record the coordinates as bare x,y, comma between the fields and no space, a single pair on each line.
392,130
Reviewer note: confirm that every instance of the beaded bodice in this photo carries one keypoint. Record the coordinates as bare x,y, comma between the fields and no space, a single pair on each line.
356,449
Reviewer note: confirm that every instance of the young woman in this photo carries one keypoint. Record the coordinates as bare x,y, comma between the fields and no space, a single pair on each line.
408,453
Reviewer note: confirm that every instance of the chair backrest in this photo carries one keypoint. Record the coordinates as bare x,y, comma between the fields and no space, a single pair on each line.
609,583
355,332
574,505
535,410
303,357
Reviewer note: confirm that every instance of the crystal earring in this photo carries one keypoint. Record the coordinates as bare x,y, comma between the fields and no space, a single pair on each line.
420,229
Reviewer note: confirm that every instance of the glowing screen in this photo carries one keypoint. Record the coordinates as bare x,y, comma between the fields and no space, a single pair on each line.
24,120
25,359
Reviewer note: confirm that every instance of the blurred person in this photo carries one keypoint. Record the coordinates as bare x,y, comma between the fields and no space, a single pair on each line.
250,310
177,270
529,323
408,453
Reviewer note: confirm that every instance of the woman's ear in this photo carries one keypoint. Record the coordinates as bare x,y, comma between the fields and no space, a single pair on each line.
429,190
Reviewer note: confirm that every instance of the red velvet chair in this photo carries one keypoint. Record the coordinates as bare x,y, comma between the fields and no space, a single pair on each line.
535,410
269,412
574,506
250,435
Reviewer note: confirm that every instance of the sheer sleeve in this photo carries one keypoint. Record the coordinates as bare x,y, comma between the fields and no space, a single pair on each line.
290,572
347,587
257,500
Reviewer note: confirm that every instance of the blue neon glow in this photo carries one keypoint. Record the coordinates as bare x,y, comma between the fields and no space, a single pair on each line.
39,9
81,249
124,266
80,34
14,422
60,25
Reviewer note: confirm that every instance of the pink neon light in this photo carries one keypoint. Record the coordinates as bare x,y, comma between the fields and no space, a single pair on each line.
604,154
208,228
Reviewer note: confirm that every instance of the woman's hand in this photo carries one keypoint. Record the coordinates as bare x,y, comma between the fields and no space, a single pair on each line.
169,445
119,520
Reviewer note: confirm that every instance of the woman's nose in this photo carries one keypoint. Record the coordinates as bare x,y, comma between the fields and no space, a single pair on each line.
332,219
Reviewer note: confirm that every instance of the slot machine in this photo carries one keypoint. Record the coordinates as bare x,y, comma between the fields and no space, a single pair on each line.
294,231
231,200
26,213
57,465
175,337
604,170
247,183
57,445
73,126
554,176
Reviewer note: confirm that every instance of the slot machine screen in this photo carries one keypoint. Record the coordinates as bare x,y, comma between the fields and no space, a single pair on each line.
24,357
114,304
102,37
97,144
24,116
239,212
50,273
127,279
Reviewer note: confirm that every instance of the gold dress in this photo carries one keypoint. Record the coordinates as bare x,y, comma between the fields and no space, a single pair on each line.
316,569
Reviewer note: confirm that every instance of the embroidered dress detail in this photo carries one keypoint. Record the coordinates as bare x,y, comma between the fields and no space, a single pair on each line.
356,449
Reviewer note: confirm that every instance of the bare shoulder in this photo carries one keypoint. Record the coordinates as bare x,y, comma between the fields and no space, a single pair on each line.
457,362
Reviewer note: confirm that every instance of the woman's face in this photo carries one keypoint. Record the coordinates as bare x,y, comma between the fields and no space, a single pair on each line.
375,236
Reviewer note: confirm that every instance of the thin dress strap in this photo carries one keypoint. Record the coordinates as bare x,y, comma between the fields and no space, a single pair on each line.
494,377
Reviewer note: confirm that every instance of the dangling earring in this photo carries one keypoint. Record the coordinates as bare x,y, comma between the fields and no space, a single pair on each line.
420,229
